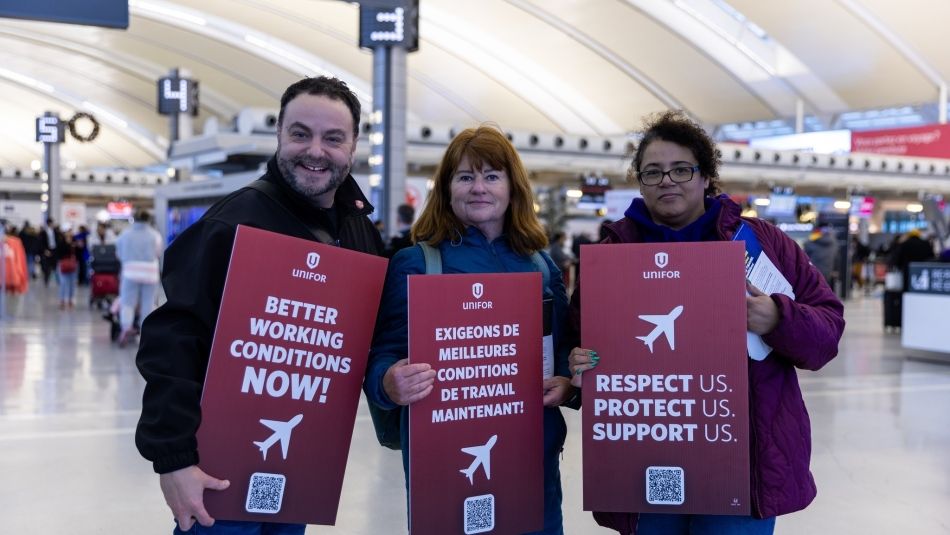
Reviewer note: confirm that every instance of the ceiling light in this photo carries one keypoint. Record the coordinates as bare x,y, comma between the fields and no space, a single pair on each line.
165,12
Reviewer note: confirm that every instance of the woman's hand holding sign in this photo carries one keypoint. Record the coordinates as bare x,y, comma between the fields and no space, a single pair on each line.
763,314
557,390
581,360
406,383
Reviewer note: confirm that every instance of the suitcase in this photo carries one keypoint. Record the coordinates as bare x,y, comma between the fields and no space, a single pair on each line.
893,306
104,285
103,259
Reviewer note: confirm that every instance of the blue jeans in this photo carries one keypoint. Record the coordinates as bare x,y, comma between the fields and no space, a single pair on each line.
235,527
662,524
555,431
67,285
135,295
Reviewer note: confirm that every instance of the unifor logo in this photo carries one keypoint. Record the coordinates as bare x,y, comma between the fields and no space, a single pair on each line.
312,260
478,290
661,260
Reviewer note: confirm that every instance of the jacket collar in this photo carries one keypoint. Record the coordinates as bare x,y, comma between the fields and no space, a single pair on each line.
348,198
627,229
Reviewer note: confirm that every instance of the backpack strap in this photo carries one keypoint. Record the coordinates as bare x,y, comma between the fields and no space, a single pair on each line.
280,198
543,268
433,258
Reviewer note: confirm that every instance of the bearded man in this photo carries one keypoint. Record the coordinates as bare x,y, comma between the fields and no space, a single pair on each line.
307,192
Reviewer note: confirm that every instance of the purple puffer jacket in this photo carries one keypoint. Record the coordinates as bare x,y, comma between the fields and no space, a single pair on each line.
806,337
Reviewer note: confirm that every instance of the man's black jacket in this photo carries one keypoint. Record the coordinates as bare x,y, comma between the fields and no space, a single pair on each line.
176,338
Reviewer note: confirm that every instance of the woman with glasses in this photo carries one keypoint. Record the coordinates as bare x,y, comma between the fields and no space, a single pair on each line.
676,164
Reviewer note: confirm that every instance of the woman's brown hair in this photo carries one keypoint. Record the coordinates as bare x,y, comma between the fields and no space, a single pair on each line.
485,145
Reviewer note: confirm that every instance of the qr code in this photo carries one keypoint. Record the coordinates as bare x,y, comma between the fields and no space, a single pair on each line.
479,514
265,493
665,485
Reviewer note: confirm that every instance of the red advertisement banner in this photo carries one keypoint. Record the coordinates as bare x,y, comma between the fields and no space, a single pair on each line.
475,456
665,415
931,141
283,382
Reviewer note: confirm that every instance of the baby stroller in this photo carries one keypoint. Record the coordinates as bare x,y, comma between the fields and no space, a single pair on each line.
104,284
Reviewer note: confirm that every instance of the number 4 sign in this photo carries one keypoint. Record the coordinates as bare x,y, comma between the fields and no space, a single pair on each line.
177,95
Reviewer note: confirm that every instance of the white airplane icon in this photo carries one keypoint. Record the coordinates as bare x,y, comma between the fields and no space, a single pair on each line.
664,325
482,458
281,432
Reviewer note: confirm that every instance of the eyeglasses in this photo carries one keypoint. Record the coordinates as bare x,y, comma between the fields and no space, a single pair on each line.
653,177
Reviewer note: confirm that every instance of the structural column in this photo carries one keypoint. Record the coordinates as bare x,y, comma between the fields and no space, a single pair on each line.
50,131
389,131
389,28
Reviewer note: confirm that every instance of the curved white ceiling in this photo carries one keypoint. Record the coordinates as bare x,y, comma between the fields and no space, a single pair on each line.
556,66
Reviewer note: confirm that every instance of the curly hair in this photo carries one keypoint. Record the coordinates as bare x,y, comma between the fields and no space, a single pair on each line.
674,126
483,145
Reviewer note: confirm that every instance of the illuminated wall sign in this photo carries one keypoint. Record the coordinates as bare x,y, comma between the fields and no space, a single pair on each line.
119,209
390,23
177,95
862,206
50,129
824,142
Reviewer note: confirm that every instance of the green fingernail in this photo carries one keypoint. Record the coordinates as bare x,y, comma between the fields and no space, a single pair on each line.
578,372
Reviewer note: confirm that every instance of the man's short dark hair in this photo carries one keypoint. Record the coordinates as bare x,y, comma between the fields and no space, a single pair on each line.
142,216
326,86
406,213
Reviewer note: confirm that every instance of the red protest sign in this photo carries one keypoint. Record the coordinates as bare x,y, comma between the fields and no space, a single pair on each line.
283,381
666,417
475,453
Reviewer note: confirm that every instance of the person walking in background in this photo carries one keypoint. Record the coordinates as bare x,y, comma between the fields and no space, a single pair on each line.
405,214
911,247
139,249
49,237
822,250
677,166
81,241
31,247
561,258
104,235
579,239
67,270
860,257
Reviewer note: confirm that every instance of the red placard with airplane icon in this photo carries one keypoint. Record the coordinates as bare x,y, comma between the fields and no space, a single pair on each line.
284,378
666,410
475,455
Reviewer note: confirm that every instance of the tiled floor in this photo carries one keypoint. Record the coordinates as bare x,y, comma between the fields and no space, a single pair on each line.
69,400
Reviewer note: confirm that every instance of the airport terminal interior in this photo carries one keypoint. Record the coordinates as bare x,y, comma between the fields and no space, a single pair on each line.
830,118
